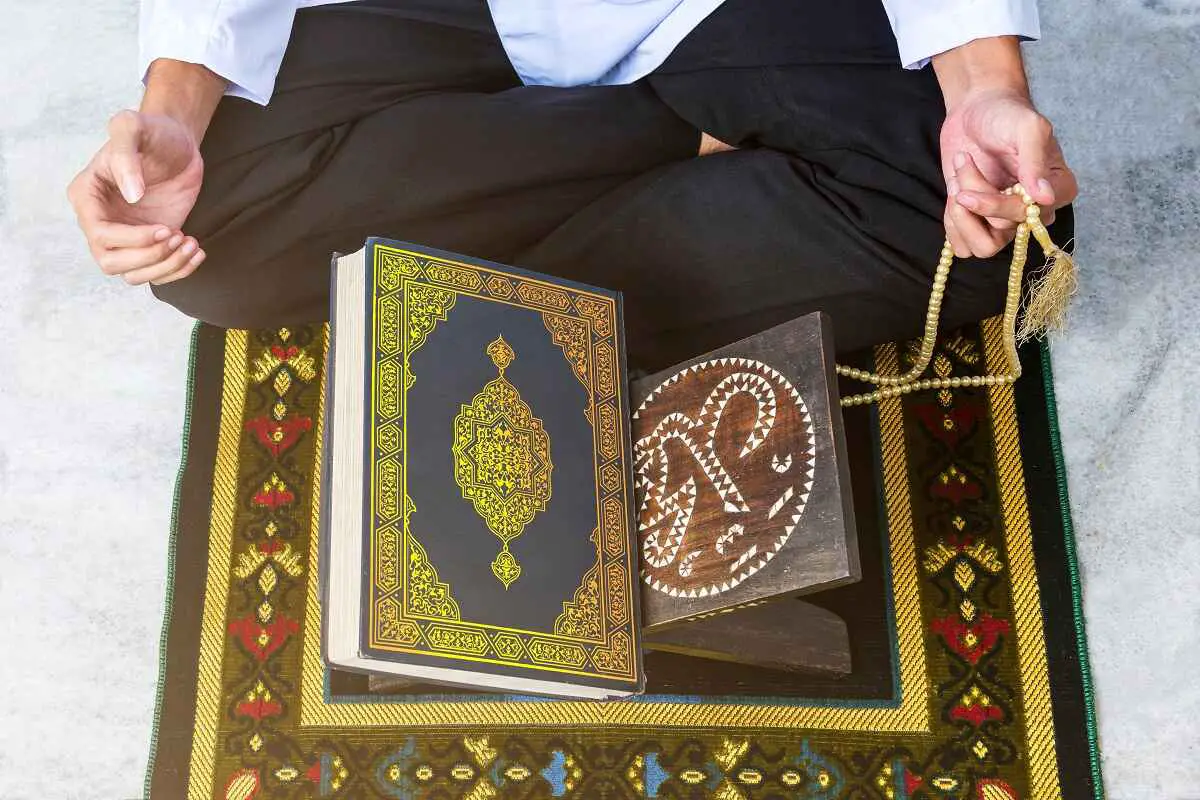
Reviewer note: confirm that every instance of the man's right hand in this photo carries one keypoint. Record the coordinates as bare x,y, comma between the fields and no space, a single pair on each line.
134,196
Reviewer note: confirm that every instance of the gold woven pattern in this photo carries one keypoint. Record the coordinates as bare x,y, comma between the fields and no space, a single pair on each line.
1027,603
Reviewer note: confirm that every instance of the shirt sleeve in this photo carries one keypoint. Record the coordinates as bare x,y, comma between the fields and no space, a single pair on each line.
925,28
240,40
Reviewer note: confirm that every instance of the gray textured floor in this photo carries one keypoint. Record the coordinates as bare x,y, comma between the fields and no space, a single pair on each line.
92,379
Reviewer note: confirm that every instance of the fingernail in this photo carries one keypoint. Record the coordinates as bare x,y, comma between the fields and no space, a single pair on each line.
960,160
175,240
188,247
1045,188
952,187
967,200
131,191
161,234
196,259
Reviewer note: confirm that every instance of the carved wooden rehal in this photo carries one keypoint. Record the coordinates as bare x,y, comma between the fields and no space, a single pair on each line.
739,462
748,452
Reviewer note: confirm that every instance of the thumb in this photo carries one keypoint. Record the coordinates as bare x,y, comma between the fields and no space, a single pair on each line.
125,159
1035,142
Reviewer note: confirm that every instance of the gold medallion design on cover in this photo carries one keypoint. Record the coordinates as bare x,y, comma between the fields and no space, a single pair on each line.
724,464
502,460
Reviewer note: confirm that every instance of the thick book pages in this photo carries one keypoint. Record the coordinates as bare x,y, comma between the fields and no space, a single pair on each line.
479,525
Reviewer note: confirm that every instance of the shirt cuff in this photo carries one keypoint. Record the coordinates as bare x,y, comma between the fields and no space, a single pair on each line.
245,48
934,28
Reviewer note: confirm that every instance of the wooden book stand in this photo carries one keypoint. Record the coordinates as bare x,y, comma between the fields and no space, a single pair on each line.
744,501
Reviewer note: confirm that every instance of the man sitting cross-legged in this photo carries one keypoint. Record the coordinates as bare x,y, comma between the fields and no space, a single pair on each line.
564,136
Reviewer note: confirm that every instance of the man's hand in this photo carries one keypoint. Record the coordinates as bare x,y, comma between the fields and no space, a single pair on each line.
133,198
992,138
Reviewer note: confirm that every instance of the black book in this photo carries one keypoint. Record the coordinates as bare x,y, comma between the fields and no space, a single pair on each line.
478,524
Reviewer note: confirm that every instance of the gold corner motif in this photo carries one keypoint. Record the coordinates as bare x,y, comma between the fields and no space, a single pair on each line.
427,595
580,617
427,306
571,334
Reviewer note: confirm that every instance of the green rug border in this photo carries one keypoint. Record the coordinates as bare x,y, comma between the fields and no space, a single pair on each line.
169,599
1072,555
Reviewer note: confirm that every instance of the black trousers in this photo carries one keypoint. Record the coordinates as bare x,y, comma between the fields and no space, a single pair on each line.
404,118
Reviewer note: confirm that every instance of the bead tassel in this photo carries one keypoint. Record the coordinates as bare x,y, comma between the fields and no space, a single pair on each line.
1045,310
1051,292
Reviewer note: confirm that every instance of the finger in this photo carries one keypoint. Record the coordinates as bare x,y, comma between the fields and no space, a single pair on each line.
125,161
175,262
108,235
125,259
187,269
1002,210
957,242
972,181
1035,148
977,237
84,194
1064,184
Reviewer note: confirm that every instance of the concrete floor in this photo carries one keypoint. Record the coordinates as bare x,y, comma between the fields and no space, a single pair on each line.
92,379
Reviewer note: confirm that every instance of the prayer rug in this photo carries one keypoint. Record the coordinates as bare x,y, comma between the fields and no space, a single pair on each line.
969,680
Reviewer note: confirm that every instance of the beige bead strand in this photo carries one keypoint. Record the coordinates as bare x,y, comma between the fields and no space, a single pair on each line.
910,381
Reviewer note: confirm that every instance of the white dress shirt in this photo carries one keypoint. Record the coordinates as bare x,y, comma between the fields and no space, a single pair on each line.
550,42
